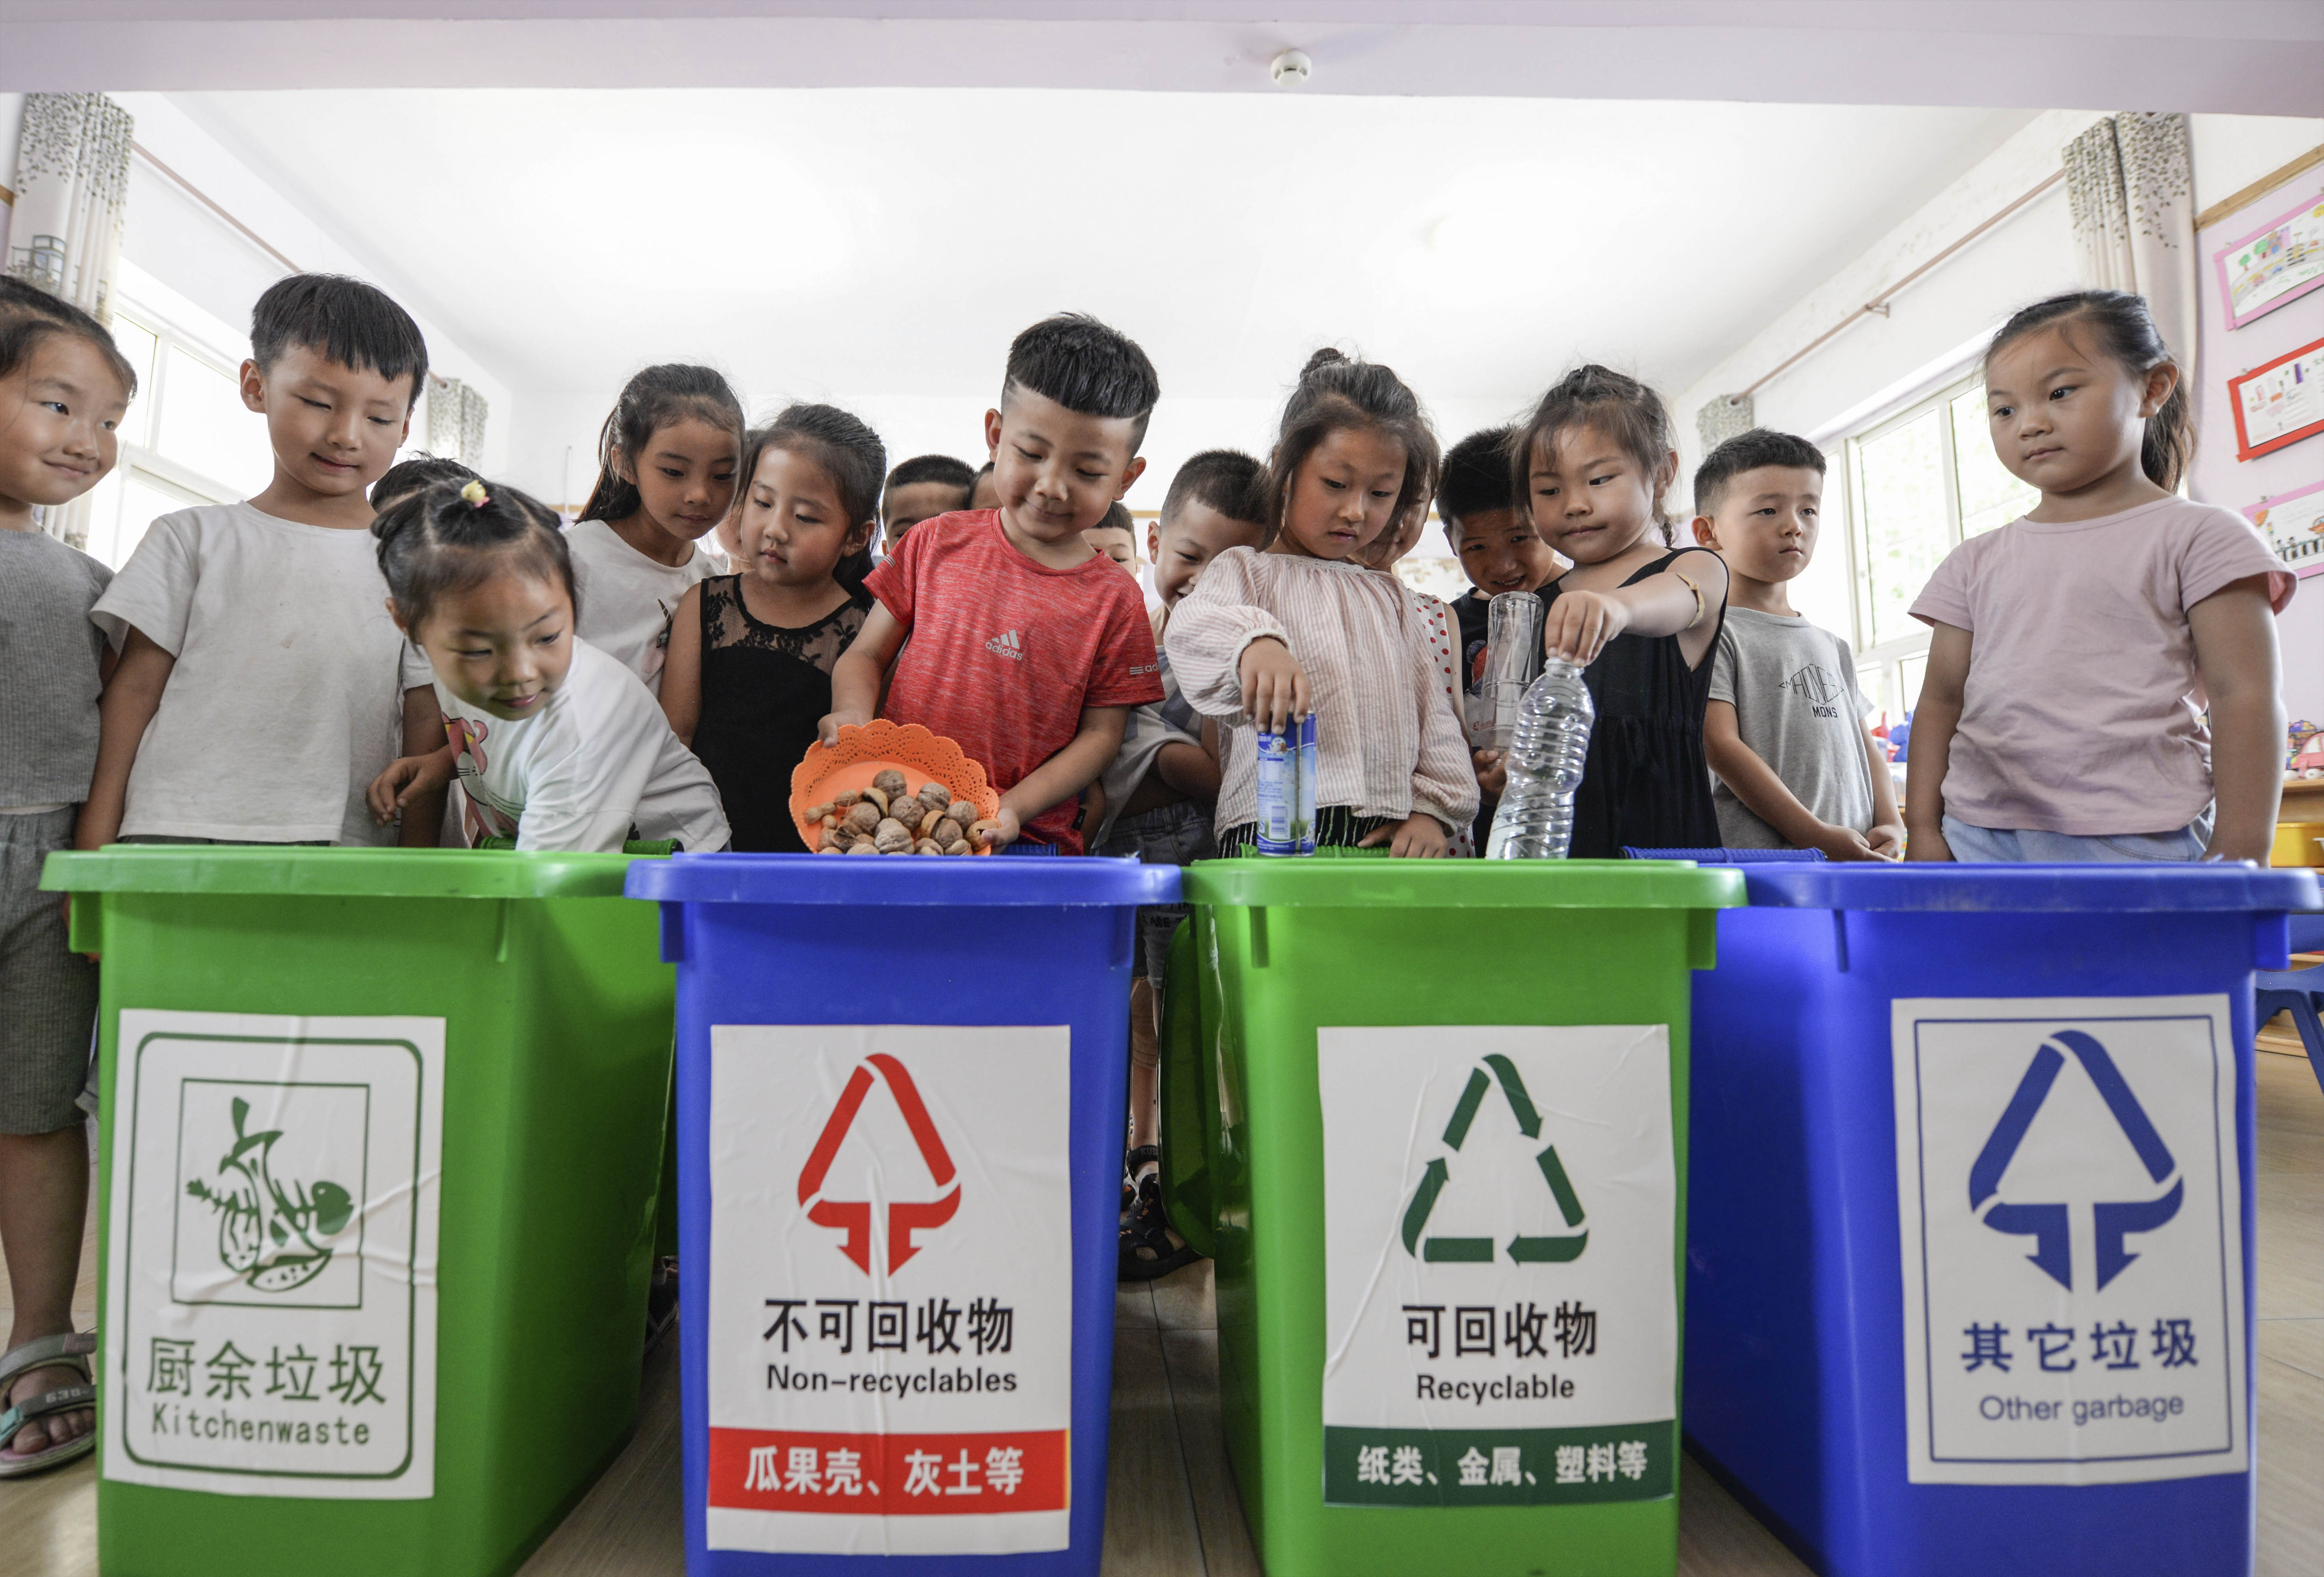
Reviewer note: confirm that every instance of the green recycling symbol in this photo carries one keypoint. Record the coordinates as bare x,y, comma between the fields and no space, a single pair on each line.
1523,1250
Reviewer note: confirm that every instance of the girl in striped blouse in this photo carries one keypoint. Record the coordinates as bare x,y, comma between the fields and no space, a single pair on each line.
1300,626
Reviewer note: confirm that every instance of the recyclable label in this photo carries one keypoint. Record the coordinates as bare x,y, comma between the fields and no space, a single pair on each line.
2071,1208
892,1289
271,1285
1501,1307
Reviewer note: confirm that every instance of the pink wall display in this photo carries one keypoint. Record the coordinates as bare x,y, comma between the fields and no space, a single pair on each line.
2280,261
2294,523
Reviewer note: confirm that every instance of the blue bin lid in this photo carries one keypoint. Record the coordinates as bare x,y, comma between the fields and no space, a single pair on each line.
1933,887
956,883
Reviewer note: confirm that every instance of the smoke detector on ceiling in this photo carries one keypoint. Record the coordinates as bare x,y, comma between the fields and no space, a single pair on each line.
1290,68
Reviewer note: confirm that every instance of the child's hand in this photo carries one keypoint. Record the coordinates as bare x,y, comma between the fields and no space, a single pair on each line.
1000,836
1887,842
406,778
1492,771
1275,687
1843,843
1579,624
1928,845
1418,836
827,731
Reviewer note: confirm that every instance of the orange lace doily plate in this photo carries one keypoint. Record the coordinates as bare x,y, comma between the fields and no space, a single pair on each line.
862,753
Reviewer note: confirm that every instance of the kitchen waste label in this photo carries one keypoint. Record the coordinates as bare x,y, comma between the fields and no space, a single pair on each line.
270,1289
1501,1311
2070,1209
890,1355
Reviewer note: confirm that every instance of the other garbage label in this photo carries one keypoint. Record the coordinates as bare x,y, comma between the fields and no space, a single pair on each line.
1501,1307
270,1282
890,1287
2070,1208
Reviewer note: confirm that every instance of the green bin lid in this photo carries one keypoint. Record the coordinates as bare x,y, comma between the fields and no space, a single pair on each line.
321,872
1369,879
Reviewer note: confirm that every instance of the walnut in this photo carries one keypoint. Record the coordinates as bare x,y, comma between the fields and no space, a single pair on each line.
835,841
957,847
961,813
892,838
889,782
930,823
934,795
863,818
862,848
976,833
877,796
927,847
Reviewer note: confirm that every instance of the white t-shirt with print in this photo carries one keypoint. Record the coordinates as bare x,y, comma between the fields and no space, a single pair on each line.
287,698
598,759
626,597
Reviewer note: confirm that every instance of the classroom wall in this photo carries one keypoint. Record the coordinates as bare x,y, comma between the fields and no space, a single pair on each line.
12,126
2231,153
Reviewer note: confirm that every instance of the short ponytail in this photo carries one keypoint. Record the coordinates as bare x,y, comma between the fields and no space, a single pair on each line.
448,539
2126,332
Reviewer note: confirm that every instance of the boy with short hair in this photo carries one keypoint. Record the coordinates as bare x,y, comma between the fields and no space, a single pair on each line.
1163,787
1793,762
922,486
1116,537
1499,551
261,684
1029,648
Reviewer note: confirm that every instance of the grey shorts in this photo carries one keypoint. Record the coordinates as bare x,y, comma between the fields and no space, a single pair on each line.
48,993
1995,844
1174,834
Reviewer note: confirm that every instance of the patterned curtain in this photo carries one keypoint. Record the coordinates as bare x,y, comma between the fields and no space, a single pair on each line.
2129,183
72,190
456,421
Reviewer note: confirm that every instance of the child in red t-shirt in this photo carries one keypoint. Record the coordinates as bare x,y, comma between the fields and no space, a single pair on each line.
1028,647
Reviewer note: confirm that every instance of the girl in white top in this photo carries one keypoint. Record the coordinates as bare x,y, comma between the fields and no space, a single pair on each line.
554,743
666,461
1301,626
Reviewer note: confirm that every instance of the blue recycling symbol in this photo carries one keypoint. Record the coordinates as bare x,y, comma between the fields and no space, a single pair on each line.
2047,1224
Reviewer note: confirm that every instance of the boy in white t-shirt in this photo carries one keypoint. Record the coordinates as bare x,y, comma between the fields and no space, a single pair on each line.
665,479
261,684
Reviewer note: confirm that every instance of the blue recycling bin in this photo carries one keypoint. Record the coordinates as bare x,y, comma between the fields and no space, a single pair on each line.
900,1087
1969,1264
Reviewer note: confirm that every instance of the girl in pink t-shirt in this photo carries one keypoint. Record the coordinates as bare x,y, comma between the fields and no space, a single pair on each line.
2063,717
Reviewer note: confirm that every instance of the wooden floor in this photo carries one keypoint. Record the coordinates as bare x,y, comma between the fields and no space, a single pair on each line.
1171,1509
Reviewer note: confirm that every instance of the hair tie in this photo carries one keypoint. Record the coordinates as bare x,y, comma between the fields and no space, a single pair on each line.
476,494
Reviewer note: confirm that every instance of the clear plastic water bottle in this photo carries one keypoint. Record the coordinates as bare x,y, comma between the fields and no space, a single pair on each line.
1536,818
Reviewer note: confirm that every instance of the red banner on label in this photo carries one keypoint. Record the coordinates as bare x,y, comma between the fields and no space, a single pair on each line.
889,1475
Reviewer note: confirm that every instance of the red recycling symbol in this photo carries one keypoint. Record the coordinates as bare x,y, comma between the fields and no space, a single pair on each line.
854,1216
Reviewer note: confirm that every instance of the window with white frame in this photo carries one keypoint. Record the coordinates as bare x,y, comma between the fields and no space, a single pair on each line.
187,438
1919,483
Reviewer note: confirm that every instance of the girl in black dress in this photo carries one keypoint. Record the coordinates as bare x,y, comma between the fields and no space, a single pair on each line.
747,674
1592,468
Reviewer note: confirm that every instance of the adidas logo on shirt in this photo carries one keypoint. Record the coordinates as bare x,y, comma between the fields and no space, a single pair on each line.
1007,645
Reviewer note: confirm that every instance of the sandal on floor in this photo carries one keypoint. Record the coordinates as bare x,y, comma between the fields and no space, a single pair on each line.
1149,1249
1132,1165
71,1350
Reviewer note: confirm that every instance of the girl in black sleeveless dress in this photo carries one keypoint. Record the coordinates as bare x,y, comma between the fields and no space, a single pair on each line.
748,675
1592,468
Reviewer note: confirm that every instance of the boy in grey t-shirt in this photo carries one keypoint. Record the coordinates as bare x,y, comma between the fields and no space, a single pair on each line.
1794,764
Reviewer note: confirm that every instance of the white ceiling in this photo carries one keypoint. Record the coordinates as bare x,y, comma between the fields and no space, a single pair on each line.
886,240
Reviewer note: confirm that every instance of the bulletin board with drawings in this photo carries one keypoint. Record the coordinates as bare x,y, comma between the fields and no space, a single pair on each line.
2259,387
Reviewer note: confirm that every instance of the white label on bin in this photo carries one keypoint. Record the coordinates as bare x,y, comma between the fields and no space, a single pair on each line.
1501,1308
2071,1206
890,1283
270,1312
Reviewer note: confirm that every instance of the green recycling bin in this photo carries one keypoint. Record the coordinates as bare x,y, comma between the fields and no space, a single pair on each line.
380,1136
1429,1117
